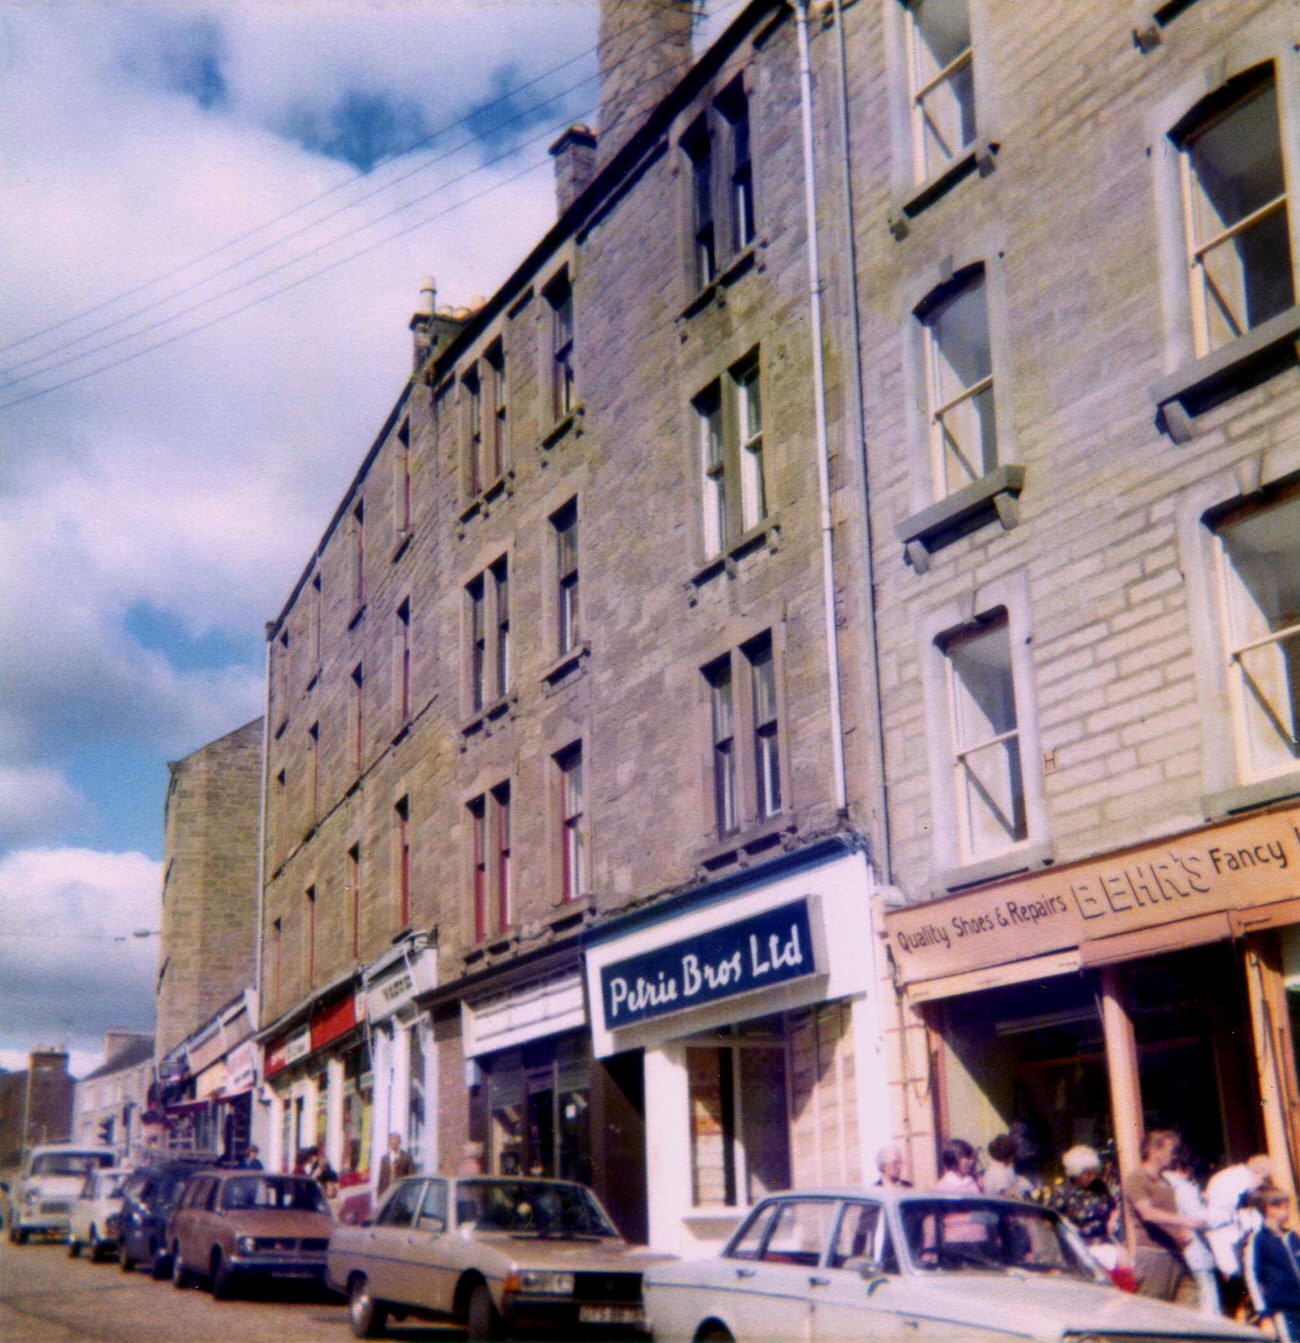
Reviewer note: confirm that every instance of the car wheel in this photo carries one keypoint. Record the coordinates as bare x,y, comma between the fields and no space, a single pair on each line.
17,1235
222,1278
366,1315
483,1321
160,1264
97,1247
180,1274
124,1260
74,1247
714,1333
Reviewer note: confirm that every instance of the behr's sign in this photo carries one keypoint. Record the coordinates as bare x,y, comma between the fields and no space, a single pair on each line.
1236,865
755,953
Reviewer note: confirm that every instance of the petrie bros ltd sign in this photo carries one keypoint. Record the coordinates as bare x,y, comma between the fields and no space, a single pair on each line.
1237,865
770,948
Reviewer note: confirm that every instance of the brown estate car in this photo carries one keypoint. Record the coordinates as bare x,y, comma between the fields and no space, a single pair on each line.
498,1255
233,1226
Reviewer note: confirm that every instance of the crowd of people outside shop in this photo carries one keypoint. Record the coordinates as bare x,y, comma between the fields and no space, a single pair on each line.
1223,1247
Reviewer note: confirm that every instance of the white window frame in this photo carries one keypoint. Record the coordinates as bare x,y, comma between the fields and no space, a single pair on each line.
1267,39
922,84
953,865
733,463
1227,786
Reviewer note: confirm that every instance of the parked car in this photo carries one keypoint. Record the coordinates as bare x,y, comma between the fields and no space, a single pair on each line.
150,1194
926,1267
52,1177
233,1226
496,1254
93,1221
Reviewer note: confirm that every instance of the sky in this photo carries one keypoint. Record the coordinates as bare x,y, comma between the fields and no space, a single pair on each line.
217,217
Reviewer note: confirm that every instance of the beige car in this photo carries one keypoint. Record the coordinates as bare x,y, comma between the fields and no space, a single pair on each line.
96,1212
836,1265
231,1227
496,1254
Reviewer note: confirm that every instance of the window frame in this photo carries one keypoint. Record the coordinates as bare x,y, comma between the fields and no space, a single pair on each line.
561,380
923,169
566,540
733,464
1195,381
570,764
489,858
952,867
721,205
747,768
402,481
1200,510
402,858
402,701
487,674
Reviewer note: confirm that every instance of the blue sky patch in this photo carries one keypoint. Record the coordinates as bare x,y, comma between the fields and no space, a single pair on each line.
162,632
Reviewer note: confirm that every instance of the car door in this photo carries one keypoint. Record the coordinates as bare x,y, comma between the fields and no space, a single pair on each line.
433,1275
772,1272
859,1292
387,1245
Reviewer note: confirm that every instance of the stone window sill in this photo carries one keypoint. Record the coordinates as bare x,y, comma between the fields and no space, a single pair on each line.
981,157
1026,857
1247,797
570,424
1215,378
994,495
480,504
568,665
714,293
489,714
766,533
743,846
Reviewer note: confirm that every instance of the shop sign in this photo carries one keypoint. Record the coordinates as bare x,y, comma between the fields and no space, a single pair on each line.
754,953
297,1047
412,973
328,1023
241,1068
1235,865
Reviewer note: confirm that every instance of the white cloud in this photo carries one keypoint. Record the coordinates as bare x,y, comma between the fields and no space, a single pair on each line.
35,803
70,964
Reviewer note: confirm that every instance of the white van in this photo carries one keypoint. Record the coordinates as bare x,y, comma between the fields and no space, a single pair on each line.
53,1176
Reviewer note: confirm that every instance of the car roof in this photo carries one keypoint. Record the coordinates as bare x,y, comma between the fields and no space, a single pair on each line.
891,1195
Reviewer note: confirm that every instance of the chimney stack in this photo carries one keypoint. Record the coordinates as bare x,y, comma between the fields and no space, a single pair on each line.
575,164
644,50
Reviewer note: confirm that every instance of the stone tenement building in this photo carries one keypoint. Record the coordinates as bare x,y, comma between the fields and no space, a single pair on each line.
555,697
209,927
1076,261
35,1104
719,584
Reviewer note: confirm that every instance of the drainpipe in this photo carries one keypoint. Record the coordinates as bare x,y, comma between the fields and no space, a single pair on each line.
882,860
819,410
260,942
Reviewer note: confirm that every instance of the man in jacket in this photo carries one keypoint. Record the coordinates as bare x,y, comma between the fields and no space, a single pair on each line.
1271,1261
396,1164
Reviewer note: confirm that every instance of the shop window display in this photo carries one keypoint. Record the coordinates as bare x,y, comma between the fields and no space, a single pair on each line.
539,1110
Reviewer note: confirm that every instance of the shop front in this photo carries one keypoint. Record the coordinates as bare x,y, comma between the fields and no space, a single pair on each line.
1155,987
318,1084
755,1006
401,1047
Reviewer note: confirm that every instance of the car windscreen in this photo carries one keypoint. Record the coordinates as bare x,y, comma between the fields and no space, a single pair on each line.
69,1163
285,1192
530,1207
985,1235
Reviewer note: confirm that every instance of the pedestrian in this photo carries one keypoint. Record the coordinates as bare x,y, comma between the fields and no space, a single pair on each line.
395,1165
471,1159
1001,1177
1232,1216
889,1162
1081,1197
1159,1229
1197,1256
957,1161
1271,1262
252,1158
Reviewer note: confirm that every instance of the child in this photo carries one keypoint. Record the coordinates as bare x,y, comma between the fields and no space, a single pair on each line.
1271,1259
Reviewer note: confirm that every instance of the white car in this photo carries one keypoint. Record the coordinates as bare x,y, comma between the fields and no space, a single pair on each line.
52,1178
95,1214
841,1264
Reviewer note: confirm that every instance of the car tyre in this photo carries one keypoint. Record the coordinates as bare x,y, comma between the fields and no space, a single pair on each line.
124,1260
17,1235
714,1333
160,1264
222,1278
74,1247
367,1316
483,1321
181,1277
98,1250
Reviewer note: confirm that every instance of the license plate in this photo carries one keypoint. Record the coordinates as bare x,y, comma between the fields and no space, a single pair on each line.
609,1315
